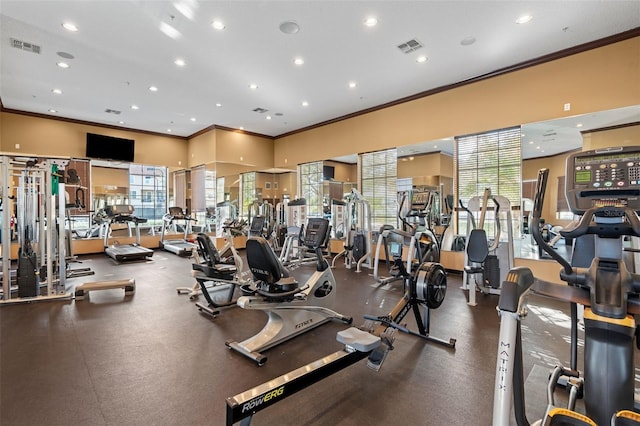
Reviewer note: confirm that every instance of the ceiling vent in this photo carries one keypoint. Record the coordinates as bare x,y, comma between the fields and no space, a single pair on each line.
112,111
260,110
410,46
23,45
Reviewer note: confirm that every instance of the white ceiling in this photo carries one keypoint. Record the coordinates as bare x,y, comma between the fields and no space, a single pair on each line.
119,51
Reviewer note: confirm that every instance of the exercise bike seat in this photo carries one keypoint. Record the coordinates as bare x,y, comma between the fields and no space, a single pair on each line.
267,269
212,267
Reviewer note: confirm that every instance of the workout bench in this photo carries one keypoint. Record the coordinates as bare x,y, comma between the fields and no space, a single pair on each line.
83,290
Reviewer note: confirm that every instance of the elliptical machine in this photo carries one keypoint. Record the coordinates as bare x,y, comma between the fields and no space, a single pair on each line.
291,308
604,187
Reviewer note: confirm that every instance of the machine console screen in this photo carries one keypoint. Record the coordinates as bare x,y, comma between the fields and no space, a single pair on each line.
601,178
316,232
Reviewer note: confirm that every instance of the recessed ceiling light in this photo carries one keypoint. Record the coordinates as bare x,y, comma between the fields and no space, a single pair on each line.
268,117
153,88
169,130
421,59
180,62
298,61
120,122
305,103
524,19
253,86
57,91
192,119
70,26
63,65
218,105
579,125
468,41
530,142
52,110
218,25
135,107
352,85
538,147
371,21
289,27
435,147
241,128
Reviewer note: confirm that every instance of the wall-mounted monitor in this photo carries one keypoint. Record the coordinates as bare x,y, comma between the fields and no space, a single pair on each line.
110,148
328,172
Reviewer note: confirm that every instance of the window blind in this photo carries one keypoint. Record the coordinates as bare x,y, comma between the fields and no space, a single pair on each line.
198,175
379,173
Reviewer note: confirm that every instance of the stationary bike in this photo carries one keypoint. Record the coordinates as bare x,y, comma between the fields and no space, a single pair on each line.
604,187
291,308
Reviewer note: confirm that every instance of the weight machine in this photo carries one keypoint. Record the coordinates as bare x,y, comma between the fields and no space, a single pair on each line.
487,260
358,232
39,203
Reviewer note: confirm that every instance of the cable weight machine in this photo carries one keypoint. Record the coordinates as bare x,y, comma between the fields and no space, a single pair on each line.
40,210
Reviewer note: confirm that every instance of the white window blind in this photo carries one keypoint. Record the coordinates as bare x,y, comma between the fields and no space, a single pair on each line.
198,176
489,160
311,187
180,188
379,173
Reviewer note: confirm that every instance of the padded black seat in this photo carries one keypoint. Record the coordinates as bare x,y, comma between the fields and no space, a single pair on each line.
268,272
213,267
477,252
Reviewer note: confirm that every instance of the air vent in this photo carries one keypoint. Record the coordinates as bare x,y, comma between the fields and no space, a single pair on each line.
23,45
260,110
112,111
410,46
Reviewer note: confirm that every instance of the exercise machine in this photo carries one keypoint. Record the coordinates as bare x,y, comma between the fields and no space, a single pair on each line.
357,233
372,342
291,308
123,214
487,259
415,233
170,221
38,200
602,186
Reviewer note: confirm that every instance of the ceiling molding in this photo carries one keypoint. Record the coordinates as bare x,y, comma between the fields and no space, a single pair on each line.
87,123
626,35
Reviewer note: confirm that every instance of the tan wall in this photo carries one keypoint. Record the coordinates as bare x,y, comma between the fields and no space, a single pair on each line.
426,166
106,176
534,94
202,149
624,136
47,137
241,148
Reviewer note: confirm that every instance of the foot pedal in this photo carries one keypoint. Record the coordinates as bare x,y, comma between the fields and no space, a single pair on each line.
625,418
377,357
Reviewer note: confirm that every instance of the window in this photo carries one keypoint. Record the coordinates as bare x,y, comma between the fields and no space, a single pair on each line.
488,160
147,191
379,172
248,191
311,187
198,177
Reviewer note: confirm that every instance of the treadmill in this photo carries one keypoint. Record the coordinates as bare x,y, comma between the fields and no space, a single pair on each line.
180,247
123,214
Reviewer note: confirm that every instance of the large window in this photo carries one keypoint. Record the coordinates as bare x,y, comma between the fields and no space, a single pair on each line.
148,191
488,160
248,191
311,187
379,172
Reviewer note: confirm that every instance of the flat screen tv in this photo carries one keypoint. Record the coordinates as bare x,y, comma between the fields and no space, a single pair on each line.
109,148
328,172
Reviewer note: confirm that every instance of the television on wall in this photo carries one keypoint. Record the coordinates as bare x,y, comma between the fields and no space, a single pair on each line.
328,172
109,148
